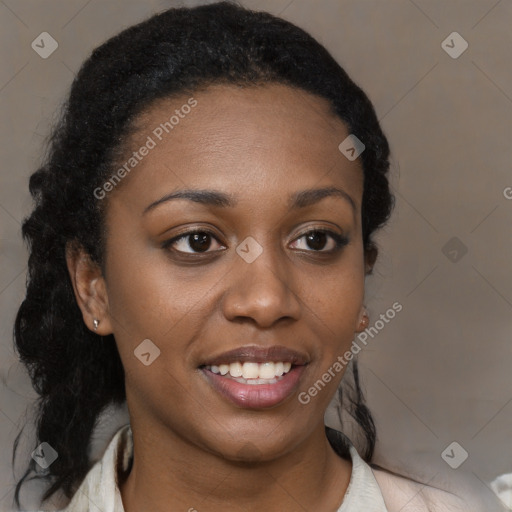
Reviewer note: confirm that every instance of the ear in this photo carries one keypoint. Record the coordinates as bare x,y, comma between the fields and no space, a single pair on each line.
90,289
363,320
370,257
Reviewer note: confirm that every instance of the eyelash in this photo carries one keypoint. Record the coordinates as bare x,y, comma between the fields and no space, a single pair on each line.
340,241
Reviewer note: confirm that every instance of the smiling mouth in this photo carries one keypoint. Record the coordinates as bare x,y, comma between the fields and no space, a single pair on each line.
255,377
253,385
252,373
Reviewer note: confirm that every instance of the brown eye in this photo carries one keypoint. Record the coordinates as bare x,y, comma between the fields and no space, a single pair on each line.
316,240
192,242
199,242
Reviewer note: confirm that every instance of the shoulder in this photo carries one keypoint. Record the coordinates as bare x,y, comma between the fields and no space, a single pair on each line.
502,486
401,494
406,495
100,485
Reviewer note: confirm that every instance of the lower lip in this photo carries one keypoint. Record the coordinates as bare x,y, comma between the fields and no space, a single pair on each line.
256,396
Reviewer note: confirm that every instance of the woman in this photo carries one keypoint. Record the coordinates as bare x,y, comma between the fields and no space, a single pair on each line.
201,235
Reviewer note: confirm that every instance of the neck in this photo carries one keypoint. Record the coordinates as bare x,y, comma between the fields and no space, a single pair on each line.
169,473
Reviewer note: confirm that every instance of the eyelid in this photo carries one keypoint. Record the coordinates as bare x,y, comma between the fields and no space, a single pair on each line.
340,240
168,243
310,229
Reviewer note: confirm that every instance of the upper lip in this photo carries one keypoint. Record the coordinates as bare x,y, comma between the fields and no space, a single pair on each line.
257,354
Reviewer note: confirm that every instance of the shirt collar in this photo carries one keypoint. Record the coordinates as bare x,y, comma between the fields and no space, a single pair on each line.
100,486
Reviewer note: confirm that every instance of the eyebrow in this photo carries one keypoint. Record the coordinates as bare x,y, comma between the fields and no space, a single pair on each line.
206,197
314,195
216,198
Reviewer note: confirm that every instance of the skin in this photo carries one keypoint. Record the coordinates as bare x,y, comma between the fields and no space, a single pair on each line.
192,447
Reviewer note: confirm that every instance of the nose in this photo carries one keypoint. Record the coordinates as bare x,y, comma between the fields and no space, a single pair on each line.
262,291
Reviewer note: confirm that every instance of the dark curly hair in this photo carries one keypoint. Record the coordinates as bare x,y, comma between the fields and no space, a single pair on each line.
75,372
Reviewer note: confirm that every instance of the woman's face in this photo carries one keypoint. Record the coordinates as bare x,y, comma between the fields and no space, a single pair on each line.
247,277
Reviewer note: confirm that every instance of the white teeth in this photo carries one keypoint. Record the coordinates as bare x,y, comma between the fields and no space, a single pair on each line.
235,369
267,371
253,373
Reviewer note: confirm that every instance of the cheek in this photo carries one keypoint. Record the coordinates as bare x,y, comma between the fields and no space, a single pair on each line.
146,294
336,296
150,299
335,314
155,313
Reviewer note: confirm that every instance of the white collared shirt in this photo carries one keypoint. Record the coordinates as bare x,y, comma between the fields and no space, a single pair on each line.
369,490
99,490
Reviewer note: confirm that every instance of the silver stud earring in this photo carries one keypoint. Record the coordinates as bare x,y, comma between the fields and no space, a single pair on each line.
96,323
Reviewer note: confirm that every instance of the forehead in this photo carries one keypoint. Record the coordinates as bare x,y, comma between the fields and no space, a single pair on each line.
235,138
247,115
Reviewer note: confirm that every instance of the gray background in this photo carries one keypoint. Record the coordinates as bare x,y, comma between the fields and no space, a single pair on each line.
440,371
